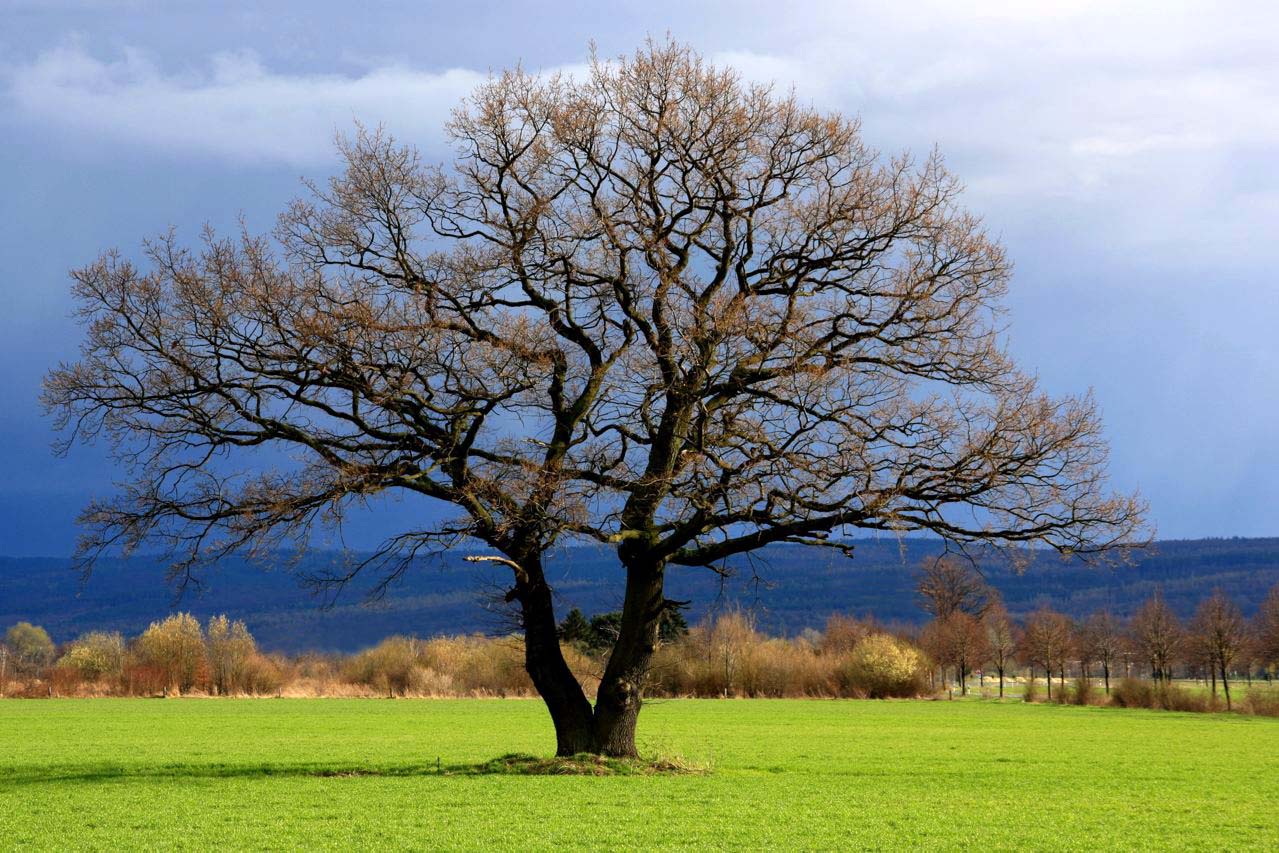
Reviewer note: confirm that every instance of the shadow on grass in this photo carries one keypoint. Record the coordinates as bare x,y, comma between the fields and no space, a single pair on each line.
514,764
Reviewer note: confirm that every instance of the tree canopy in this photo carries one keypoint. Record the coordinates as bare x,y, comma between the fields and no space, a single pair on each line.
654,306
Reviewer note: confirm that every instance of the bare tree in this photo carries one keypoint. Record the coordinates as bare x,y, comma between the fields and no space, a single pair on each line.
958,641
230,649
1001,637
1101,639
948,586
1046,641
1158,636
1265,629
1220,630
653,307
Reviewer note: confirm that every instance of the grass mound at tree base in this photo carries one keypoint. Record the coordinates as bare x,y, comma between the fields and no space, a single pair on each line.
523,764
585,764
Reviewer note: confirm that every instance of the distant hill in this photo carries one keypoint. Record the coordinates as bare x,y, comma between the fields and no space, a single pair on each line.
790,588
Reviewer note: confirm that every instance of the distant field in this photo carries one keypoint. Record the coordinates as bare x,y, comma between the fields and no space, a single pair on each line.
330,773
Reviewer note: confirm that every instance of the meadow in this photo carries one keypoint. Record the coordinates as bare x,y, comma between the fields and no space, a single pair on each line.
331,773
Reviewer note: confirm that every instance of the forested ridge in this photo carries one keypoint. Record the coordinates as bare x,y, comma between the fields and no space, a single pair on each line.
789,588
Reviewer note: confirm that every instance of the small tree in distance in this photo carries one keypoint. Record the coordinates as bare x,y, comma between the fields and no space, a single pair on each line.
1046,642
958,641
575,629
1158,635
1001,637
175,646
231,648
1265,630
1220,631
1101,639
948,586
30,648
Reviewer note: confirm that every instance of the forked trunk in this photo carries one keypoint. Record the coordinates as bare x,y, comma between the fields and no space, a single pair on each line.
610,728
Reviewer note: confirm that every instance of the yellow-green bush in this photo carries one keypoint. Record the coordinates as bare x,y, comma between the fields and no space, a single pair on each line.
175,647
882,666
96,656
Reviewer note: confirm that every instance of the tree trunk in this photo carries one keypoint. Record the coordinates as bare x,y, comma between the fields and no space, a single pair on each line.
1225,684
1105,675
544,661
618,702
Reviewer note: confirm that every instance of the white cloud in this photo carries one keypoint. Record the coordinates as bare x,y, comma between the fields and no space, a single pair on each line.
1117,115
234,108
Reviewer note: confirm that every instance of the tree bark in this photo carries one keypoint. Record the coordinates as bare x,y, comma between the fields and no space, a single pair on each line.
544,661
617,705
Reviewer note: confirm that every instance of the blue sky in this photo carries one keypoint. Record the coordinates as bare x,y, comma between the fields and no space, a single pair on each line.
1126,158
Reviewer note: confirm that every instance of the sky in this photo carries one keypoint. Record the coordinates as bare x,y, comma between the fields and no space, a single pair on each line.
1125,154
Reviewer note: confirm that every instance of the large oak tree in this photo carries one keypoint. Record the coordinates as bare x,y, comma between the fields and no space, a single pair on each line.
653,307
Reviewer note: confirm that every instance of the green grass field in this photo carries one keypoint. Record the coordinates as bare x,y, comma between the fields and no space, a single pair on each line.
294,773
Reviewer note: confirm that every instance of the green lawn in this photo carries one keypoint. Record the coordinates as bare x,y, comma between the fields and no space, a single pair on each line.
195,773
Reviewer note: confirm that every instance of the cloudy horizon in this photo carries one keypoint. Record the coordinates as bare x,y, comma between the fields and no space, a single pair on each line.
1125,160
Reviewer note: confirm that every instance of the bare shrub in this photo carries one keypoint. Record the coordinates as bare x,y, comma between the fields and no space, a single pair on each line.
387,667
881,666
726,656
586,668
1084,692
61,681
1031,692
492,667
142,678
262,675
1133,693
1172,697
1263,703
783,668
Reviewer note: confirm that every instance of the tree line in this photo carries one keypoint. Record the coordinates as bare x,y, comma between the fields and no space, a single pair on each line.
971,637
972,632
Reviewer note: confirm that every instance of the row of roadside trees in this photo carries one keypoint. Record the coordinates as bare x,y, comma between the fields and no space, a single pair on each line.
972,633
